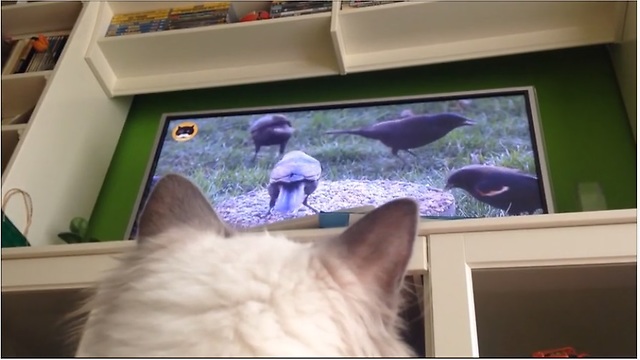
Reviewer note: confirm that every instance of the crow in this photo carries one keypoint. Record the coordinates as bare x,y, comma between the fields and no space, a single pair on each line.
504,188
410,131
271,130
292,180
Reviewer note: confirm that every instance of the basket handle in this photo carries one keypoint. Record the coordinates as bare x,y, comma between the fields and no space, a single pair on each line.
27,204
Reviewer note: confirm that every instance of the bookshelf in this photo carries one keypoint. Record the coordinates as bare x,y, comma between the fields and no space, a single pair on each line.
52,119
22,89
338,42
81,105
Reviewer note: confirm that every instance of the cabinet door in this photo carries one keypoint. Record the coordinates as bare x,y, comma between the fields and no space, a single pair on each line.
454,257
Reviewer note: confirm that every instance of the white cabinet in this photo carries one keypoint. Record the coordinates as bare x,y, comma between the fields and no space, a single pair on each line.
489,287
42,285
342,41
62,154
473,274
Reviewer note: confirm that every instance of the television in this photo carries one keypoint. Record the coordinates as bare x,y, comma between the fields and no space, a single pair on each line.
467,154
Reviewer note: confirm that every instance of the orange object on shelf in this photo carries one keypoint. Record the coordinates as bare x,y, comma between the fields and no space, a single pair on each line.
565,352
40,43
255,15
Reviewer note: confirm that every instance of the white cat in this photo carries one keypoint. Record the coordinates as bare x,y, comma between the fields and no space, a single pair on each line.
194,287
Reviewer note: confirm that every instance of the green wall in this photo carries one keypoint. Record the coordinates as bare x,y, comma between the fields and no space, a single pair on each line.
587,134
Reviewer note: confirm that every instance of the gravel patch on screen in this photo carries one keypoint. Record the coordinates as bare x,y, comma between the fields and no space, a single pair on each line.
250,209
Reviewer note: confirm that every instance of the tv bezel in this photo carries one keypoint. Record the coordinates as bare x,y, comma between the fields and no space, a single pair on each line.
537,143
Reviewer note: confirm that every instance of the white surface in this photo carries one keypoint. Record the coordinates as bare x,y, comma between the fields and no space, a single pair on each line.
453,257
39,17
20,92
223,54
63,158
438,31
455,251
81,265
372,38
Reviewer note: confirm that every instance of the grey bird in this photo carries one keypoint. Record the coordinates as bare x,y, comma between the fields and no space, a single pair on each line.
292,180
271,130
410,131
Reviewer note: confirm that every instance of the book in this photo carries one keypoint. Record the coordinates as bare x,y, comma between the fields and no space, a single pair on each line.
179,17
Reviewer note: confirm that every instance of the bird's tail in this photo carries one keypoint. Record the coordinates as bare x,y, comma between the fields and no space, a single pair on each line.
351,132
290,198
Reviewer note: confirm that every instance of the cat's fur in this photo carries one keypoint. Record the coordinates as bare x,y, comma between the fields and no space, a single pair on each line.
193,287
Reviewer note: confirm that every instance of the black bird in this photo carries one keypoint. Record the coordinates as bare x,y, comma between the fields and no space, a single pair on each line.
271,130
292,180
504,188
410,131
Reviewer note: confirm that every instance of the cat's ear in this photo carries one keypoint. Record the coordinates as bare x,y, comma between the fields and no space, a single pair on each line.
176,202
378,247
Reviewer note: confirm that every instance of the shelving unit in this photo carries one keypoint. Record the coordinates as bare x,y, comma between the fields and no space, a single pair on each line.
41,286
340,42
22,92
475,299
526,269
65,116
589,307
493,268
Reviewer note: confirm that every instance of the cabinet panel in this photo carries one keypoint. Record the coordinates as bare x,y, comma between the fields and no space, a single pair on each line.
455,260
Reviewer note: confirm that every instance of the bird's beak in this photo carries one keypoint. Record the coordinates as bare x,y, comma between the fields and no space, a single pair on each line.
469,122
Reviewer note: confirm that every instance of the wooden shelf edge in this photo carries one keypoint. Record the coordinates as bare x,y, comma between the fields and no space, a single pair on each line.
425,228
14,127
45,74
210,79
475,49
81,265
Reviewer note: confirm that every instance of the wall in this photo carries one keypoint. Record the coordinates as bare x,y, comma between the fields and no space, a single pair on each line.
588,137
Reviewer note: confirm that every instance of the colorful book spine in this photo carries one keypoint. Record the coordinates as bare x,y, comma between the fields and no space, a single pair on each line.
294,8
180,17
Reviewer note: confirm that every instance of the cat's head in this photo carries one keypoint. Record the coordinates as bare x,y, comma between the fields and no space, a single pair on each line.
194,287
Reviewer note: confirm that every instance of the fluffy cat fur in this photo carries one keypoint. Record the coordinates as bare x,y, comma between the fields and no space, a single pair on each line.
194,287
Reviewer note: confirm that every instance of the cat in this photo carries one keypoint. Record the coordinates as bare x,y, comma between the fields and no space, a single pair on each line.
193,286
185,131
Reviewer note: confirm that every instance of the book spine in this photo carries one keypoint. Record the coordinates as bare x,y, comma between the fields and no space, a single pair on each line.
301,12
62,42
53,44
25,57
141,16
193,24
220,5
213,13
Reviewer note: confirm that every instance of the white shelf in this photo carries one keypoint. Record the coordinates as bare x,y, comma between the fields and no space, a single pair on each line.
39,17
14,127
339,42
10,144
76,266
587,307
34,74
456,258
21,92
440,31
224,54
72,118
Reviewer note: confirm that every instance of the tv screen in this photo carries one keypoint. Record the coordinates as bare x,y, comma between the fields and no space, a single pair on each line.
473,154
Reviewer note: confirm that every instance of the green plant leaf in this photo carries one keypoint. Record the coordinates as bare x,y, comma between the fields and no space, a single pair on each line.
79,225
